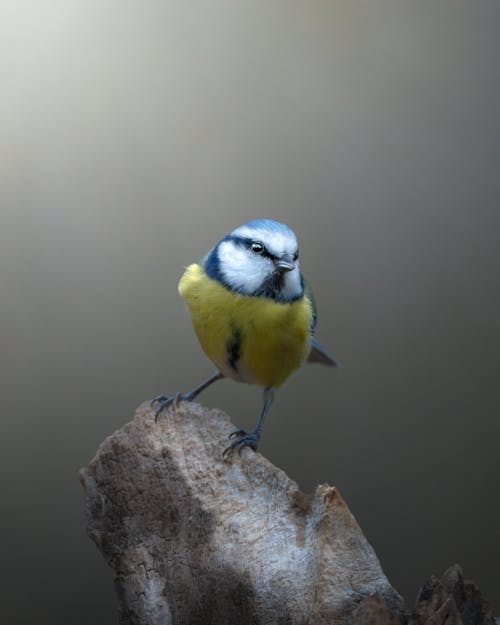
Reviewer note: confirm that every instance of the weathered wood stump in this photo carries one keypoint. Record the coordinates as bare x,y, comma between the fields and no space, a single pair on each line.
198,540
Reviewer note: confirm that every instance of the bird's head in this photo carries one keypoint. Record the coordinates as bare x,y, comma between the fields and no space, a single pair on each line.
260,258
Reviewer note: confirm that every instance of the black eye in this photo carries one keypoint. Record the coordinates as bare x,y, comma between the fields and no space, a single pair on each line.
296,255
256,247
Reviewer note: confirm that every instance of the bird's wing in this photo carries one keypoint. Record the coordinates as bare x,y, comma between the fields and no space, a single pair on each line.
310,296
317,353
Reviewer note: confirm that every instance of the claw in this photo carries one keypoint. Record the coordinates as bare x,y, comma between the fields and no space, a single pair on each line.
237,433
165,401
159,398
178,398
246,439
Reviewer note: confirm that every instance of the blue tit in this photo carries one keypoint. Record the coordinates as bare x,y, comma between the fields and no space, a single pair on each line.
253,314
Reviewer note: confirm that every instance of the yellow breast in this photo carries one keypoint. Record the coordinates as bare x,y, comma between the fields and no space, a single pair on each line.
251,339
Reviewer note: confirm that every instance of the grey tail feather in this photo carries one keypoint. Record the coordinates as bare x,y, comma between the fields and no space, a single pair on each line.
319,354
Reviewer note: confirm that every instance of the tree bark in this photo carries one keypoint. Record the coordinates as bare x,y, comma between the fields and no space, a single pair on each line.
198,540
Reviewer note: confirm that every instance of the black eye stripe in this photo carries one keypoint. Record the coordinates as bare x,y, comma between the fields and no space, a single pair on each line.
267,254
246,242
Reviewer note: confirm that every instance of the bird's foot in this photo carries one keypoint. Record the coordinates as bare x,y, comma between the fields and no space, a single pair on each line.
242,439
164,401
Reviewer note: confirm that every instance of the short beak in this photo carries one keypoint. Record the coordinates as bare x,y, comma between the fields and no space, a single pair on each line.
284,264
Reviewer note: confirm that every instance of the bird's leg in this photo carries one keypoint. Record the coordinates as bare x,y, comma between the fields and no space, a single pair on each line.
164,400
251,439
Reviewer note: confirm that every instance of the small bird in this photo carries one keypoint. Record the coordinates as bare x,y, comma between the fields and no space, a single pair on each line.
253,313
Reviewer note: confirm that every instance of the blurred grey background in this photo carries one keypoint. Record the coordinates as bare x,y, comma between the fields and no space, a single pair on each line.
133,135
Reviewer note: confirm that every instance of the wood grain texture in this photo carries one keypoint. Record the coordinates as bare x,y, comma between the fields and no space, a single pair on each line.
196,540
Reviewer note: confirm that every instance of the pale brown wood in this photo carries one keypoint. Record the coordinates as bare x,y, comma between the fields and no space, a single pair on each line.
198,540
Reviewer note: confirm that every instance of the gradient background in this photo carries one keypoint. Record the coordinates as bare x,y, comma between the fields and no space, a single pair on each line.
133,135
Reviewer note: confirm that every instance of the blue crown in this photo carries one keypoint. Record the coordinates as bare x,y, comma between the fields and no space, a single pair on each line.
269,225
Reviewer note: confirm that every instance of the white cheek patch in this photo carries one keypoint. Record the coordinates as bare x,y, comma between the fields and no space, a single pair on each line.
241,272
246,272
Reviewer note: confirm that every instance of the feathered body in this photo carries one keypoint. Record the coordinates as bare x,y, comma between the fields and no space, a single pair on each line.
250,339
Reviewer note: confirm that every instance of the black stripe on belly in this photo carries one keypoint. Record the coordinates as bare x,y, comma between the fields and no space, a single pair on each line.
234,347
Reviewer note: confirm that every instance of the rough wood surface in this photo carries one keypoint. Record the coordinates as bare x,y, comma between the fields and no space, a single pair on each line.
452,600
196,540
